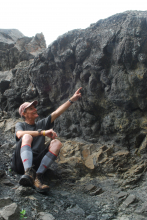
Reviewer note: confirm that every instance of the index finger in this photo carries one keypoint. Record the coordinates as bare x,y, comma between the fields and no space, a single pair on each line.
78,90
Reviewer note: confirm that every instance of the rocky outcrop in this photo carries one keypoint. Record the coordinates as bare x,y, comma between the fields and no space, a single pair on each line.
100,172
16,53
15,47
108,60
105,59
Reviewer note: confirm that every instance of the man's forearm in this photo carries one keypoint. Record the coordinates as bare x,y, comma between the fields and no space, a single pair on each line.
20,134
60,110
66,105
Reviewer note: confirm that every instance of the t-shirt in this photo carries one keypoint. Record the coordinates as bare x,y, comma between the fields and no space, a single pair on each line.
38,143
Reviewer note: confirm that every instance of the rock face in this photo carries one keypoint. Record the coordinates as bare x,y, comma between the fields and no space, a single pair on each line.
109,61
16,53
15,47
100,172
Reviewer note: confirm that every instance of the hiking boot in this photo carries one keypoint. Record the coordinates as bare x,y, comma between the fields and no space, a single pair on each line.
28,178
38,184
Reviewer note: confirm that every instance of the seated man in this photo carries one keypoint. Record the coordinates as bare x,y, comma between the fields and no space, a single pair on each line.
30,149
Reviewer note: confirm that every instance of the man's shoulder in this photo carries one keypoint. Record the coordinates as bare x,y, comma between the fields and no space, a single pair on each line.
19,124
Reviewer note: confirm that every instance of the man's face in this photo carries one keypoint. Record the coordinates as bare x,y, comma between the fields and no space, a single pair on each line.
30,113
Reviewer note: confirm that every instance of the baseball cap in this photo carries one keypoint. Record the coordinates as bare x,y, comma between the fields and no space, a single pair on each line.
26,105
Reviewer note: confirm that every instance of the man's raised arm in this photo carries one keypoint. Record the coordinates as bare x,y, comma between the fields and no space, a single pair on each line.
66,105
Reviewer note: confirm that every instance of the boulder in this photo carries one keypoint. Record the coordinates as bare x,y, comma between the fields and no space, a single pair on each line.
45,216
10,212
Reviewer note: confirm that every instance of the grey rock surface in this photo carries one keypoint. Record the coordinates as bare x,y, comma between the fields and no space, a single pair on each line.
108,60
100,172
5,78
73,186
10,212
46,216
15,47
10,35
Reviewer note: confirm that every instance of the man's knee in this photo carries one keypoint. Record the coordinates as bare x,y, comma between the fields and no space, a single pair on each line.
55,144
27,138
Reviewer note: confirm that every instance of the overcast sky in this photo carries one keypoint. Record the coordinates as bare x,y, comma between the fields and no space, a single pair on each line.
56,17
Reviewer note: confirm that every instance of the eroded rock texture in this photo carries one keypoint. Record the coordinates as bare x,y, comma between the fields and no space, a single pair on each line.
16,54
100,172
109,61
15,47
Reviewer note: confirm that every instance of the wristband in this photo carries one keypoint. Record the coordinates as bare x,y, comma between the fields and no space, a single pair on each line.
43,132
70,101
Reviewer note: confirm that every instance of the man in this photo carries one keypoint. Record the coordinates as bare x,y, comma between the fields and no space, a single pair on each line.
31,158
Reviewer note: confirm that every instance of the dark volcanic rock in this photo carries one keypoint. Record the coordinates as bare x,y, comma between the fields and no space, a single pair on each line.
15,47
98,174
108,60
17,53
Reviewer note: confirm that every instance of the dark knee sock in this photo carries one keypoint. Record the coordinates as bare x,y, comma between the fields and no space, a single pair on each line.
47,160
26,156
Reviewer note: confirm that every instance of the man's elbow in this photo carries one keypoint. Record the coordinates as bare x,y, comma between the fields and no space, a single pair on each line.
18,134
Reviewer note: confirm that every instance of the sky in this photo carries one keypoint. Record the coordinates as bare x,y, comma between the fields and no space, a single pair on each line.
56,17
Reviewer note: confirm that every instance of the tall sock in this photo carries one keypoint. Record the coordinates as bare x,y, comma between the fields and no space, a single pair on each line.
26,156
47,160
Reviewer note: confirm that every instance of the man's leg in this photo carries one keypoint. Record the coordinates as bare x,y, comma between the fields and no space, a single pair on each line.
27,157
51,156
46,162
26,151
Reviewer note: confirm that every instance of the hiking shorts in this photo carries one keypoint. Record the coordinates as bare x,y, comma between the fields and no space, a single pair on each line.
17,164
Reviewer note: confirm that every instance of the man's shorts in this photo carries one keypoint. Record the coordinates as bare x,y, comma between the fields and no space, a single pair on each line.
17,164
